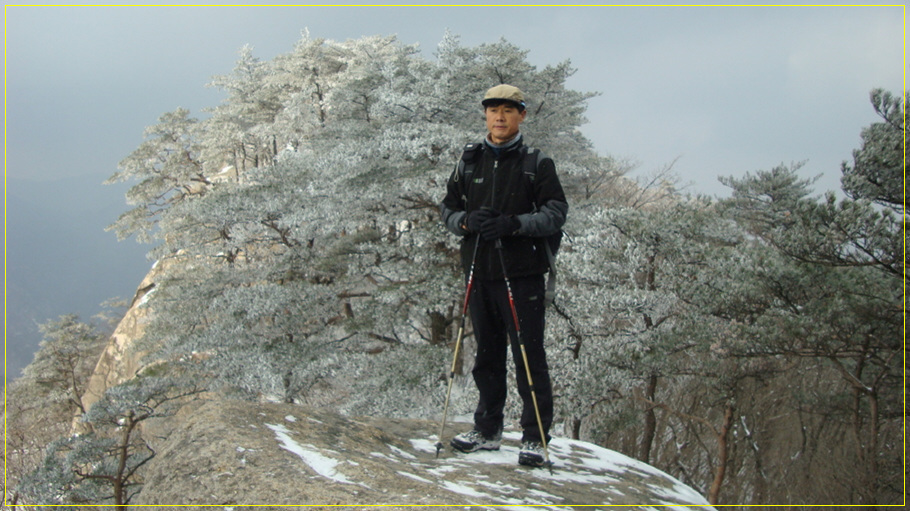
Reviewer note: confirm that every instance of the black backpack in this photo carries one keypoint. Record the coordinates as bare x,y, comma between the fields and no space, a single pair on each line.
530,159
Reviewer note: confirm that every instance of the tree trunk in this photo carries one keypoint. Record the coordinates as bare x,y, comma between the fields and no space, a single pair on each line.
576,428
119,477
871,453
647,440
723,438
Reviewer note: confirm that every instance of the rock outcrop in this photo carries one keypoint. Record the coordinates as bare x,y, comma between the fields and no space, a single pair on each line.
120,361
235,454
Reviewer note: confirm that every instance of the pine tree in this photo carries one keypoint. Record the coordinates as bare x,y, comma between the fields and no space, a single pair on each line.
169,169
102,466
41,404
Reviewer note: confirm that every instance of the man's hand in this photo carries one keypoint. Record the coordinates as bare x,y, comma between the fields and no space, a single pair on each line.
498,226
476,218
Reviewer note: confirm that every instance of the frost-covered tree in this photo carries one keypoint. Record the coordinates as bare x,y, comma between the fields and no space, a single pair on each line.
41,404
66,358
654,353
332,246
101,466
238,132
832,304
761,329
169,169
879,166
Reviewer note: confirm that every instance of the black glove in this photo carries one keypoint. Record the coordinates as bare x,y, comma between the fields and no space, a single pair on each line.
498,226
476,218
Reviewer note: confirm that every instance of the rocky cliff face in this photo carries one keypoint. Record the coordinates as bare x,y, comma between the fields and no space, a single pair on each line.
120,360
235,454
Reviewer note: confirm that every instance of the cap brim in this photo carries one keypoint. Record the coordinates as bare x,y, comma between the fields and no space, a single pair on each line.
488,102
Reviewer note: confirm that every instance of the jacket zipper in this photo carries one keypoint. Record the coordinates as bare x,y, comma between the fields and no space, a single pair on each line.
493,187
491,268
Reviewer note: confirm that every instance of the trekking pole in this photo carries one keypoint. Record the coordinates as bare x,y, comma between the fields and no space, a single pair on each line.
524,357
458,339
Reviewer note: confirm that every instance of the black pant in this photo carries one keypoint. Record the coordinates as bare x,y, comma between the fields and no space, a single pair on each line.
494,327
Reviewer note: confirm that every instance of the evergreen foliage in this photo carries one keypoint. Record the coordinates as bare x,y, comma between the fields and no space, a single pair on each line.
102,464
41,405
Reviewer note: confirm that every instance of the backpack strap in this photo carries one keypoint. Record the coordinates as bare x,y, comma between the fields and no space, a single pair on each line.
529,163
530,157
469,156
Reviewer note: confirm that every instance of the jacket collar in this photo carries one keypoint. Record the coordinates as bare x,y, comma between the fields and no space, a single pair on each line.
511,145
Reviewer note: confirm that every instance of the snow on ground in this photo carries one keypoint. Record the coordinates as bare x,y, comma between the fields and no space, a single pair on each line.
576,463
319,462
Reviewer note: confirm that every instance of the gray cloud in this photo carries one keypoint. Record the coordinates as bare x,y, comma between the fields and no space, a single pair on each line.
717,86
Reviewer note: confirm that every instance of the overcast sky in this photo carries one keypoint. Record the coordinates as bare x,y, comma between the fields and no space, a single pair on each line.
726,89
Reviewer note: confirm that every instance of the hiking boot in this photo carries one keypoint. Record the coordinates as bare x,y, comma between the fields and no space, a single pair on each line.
475,440
531,454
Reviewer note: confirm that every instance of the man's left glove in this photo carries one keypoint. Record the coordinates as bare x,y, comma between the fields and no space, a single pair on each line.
499,226
475,219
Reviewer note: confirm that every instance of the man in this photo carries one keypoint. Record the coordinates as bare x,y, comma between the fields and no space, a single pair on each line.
504,216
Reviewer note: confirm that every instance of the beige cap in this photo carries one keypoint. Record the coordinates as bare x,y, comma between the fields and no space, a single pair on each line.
504,92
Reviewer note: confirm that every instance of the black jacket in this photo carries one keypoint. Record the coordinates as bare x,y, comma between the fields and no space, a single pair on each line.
499,183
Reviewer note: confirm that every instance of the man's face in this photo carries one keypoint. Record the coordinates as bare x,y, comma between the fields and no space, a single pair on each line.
503,121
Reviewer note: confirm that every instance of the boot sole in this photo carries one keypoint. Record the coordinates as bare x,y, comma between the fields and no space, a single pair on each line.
474,449
530,460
